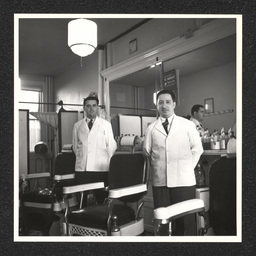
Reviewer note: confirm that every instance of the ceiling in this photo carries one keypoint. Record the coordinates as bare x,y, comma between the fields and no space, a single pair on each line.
43,48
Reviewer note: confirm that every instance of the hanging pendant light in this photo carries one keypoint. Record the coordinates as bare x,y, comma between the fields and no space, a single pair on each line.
82,36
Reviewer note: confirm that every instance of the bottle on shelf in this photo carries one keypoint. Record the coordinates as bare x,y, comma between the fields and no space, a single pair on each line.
222,139
215,140
231,146
206,140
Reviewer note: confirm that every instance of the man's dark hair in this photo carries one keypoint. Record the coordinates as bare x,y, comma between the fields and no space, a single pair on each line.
196,108
166,92
91,98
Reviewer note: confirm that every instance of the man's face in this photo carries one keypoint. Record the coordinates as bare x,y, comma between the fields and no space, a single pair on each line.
200,114
91,108
165,105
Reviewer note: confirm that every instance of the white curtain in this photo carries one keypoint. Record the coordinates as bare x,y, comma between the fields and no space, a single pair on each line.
50,119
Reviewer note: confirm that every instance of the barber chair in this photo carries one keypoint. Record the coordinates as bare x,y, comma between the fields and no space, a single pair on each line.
222,187
165,215
38,206
120,215
221,216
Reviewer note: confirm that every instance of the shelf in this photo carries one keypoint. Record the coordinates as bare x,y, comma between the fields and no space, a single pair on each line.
228,111
212,152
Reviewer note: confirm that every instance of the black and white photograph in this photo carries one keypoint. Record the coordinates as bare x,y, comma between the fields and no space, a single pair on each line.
127,128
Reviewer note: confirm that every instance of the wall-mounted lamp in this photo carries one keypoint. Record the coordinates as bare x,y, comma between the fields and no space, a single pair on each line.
156,64
82,36
154,97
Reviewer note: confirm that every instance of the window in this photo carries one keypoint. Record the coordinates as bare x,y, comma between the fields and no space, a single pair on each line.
34,124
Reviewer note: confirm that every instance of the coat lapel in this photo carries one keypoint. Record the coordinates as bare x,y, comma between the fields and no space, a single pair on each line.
160,127
95,124
84,125
174,125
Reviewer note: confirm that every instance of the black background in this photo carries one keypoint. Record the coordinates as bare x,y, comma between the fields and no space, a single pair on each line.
246,8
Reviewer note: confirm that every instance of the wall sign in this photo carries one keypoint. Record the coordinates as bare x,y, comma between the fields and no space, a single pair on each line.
171,82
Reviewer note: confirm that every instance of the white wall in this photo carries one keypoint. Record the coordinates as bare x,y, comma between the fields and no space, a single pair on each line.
218,83
76,82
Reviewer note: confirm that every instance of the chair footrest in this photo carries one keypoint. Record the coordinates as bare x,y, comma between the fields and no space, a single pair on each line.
76,230
131,229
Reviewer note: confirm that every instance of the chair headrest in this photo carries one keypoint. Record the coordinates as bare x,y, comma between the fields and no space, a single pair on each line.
68,148
41,148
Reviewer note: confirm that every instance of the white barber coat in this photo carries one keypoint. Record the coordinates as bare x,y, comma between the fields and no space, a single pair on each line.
95,147
173,156
198,125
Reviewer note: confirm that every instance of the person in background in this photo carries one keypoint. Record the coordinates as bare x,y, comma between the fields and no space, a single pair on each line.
197,112
94,145
174,147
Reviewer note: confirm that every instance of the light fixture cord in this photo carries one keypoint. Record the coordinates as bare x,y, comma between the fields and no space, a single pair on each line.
81,62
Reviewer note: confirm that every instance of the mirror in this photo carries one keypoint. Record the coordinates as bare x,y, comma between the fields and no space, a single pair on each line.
133,94
207,72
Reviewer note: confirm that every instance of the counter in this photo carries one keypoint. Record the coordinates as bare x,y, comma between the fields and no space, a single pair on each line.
215,152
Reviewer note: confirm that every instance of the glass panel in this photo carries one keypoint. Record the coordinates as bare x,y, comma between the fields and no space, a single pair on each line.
133,94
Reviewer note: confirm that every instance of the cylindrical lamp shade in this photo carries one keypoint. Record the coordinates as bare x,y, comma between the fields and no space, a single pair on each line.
82,36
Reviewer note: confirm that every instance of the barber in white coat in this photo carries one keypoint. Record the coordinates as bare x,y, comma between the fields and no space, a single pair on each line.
197,112
173,154
93,144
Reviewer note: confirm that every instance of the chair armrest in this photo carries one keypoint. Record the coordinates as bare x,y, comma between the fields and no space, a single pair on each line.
120,192
82,187
64,177
35,176
179,209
